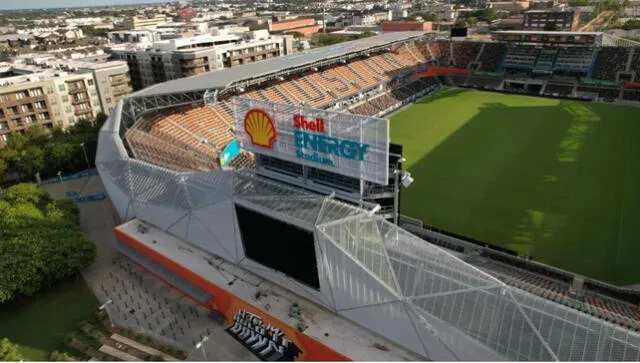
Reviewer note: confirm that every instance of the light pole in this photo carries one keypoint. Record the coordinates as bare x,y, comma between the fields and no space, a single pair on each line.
200,344
105,307
396,189
86,158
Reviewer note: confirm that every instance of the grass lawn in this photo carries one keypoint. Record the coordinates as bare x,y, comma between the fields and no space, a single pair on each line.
39,324
555,179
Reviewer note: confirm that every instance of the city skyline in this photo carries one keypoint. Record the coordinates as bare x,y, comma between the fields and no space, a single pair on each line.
40,4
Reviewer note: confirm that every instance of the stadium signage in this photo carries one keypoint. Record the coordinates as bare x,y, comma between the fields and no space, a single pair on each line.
346,144
308,135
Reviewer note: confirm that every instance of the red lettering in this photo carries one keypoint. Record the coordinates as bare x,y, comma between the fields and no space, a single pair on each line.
300,122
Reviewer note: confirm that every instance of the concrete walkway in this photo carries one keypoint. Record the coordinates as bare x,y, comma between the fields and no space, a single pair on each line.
140,301
143,348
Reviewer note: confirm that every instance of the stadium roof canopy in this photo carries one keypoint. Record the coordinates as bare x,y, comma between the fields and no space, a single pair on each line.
226,77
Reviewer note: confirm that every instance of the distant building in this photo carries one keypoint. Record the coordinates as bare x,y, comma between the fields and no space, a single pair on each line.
403,26
133,36
371,18
304,26
184,57
135,22
509,6
31,95
557,19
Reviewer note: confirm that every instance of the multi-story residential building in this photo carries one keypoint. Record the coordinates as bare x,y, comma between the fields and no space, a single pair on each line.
111,79
555,19
183,57
31,95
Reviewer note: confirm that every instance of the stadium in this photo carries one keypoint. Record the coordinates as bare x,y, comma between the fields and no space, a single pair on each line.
357,202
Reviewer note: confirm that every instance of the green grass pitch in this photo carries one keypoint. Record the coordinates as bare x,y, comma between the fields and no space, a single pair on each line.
556,179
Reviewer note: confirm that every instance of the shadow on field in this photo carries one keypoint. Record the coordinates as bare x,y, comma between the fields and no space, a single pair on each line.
539,181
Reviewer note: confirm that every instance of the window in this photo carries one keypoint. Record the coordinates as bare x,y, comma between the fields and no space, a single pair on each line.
35,92
4,98
108,99
67,109
65,98
20,95
4,125
31,119
90,82
61,88
43,116
17,122
13,109
3,137
41,105
49,90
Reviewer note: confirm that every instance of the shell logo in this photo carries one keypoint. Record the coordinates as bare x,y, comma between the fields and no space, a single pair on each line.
260,127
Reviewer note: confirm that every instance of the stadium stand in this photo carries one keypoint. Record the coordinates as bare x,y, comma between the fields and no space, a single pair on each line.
635,63
576,59
491,57
609,62
464,53
441,52
521,56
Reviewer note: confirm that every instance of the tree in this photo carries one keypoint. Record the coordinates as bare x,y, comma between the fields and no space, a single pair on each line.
330,39
57,356
25,193
40,241
631,24
9,352
429,16
296,35
491,14
472,21
460,23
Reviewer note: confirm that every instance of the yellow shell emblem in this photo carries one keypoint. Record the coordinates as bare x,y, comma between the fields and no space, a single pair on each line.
260,128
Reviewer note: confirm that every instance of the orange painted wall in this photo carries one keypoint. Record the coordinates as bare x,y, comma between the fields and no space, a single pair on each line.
228,305
290,24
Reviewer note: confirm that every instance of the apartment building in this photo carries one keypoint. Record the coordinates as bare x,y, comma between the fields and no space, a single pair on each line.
184,57
555,19
31,95
111,79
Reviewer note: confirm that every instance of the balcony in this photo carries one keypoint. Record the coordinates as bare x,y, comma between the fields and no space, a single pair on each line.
118,91
192,63
78,111
272,52
77,101
76,89
118,80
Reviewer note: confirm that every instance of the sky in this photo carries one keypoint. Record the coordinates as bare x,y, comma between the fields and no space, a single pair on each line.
36,4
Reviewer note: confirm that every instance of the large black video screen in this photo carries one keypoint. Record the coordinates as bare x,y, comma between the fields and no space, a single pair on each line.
279,245
459,32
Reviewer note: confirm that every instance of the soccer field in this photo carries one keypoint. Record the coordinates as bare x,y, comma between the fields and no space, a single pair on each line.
555,179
